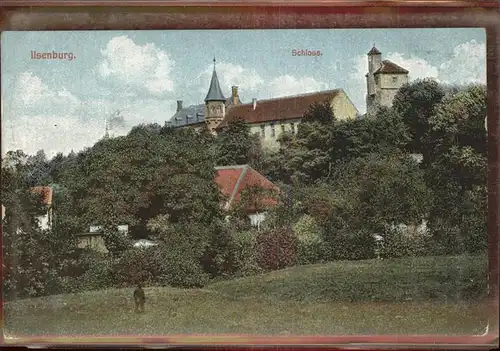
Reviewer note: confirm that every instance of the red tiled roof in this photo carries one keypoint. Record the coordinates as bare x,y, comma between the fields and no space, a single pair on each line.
288,107
233,180
226,179
390,67
46,192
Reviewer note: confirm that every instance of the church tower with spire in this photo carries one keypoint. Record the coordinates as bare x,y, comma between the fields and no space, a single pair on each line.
215,103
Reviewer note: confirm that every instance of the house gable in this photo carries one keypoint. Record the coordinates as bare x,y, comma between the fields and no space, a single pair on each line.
233,180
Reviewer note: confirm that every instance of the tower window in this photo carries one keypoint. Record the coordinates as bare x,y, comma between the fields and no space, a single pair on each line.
273,130
282,128
394,79
292,127
263,130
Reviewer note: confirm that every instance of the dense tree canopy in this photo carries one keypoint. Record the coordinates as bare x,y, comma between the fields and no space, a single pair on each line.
341,182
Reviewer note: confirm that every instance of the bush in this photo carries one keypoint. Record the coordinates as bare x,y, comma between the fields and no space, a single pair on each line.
218,260
349,244
99,273
145,265
405,242
183,272
277,249
245,253
116,242
310,244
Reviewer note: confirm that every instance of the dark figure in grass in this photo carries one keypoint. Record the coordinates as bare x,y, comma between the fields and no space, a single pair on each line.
139,298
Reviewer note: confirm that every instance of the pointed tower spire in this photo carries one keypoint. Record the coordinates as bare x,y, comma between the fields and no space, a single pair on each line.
214,91
106,128
374,51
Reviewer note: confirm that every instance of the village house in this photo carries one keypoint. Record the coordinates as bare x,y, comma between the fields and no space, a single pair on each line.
47,218
94,238
236,182
93,241
233,183
268,118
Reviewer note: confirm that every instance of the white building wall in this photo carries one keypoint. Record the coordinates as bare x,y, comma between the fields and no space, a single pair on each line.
44,222
389,87
256,219
265,131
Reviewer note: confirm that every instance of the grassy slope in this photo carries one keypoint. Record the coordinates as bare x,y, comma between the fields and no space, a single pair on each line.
443,279
301,300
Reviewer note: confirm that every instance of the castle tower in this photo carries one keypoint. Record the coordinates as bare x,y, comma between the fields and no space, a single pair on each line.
383,80
215,107
374,62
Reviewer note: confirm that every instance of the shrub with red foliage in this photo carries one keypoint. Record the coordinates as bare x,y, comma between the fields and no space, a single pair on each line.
277,248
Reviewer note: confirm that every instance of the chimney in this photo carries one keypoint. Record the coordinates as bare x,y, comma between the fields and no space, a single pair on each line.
234,95
179,105
254,103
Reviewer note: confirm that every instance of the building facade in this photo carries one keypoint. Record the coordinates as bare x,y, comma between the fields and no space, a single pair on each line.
383,80
268,118
45,221
234,181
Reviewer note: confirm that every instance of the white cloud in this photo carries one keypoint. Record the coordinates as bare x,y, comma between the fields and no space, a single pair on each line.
356,87
230,74
137,66
418,68
32,95
254,85
467,64
52,133
290,85
55,120
65,132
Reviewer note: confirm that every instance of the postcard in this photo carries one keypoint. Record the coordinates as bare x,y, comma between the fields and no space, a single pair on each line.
244,182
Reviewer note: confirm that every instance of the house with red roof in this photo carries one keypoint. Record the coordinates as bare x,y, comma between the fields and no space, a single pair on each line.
246,189
47,193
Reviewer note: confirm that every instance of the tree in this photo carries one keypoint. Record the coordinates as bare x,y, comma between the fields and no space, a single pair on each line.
235,145
185,244
457,172
151,171
415,103
306,156
365,197
30,264
319,112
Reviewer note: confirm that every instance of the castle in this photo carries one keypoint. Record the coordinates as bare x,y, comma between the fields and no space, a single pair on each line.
383,80
272,117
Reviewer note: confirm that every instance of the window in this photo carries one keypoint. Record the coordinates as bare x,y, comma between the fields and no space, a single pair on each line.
263,131
394,79
292,127
282,128
273,130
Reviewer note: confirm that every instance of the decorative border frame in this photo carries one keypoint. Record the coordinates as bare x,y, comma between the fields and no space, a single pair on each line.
272,14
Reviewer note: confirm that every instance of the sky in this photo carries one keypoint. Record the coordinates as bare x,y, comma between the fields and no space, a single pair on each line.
60,105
